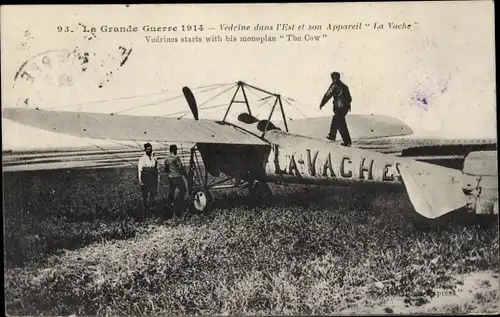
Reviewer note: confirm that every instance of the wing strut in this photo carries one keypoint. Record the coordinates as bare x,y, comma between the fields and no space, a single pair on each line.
241,85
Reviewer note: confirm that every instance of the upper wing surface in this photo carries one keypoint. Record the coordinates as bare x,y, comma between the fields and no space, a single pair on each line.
128,127
360,126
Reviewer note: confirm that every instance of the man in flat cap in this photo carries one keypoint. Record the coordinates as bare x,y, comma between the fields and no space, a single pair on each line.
341,106
149,176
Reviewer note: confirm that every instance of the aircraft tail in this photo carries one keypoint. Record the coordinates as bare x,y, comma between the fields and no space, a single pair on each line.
433,190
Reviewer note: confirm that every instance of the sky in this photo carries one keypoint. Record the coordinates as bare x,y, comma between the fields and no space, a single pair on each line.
438,76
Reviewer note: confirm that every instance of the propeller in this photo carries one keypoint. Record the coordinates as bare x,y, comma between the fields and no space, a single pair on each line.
188,94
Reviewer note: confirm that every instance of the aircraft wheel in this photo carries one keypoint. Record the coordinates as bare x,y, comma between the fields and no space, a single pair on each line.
201,200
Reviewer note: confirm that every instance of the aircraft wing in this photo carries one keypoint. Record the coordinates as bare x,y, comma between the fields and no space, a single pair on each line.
128,127
389,135
360,126
445,152
414,147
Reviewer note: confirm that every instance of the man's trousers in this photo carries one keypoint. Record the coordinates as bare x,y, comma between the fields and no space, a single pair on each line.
339,124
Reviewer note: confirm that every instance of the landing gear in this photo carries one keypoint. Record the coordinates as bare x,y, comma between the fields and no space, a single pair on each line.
201,181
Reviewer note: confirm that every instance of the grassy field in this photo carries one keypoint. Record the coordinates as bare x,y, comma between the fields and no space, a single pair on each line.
75,243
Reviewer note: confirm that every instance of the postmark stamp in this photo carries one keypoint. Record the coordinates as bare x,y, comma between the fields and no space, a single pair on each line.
61,71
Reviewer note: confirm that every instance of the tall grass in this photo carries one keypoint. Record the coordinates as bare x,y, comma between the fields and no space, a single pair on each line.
309,250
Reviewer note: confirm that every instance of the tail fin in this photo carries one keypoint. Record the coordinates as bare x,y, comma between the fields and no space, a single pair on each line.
433,190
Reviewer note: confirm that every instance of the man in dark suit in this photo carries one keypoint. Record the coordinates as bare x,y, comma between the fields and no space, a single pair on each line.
341,106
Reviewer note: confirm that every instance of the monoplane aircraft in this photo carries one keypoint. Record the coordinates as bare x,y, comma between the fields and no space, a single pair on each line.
440,176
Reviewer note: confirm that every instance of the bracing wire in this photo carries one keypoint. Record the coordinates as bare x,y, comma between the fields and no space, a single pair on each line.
256,94
108,152
212,88
212,85
260,98
263,103
287,100
127,145
185,112
282,112
266,99
107,100
163,101
295,107
150,104
200,108
134,96
213,107
204,108
210,99
300,103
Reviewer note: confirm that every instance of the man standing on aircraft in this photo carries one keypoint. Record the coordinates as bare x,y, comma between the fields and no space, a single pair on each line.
149,176
341,106
175,170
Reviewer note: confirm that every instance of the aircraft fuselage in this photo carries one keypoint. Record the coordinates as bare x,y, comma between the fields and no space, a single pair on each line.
288,158
296,158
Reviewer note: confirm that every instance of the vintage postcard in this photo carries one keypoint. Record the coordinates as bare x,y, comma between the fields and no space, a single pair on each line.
250,159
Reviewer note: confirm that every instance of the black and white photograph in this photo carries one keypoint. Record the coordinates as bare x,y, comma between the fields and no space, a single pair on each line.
271,159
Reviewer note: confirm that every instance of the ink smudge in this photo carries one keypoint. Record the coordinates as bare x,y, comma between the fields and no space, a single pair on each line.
421,100
28,37
126,57
123,52
83,58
